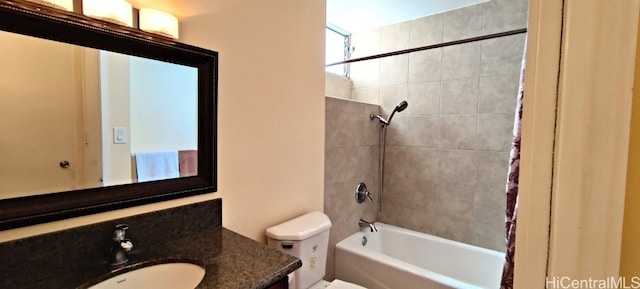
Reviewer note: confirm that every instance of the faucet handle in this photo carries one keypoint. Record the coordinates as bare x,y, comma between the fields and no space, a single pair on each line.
362,193
126,245
119,232
369,196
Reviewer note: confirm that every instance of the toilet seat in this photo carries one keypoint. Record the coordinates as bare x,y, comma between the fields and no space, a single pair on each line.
339,284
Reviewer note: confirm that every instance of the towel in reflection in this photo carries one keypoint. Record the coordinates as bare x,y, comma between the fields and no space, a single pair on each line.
151,166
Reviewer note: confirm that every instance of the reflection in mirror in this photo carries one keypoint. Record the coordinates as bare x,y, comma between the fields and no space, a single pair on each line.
76,118
82,176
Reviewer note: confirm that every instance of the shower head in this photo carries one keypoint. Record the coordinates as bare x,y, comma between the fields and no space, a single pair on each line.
400,107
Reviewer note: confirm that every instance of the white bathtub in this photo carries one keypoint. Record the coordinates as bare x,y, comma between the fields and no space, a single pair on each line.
396,258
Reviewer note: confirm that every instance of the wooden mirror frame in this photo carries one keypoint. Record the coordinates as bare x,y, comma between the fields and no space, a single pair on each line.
22,17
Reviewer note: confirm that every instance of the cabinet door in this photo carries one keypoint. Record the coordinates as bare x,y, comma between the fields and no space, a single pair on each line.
280,284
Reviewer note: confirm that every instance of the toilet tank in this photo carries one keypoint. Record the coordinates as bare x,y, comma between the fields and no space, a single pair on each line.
307,238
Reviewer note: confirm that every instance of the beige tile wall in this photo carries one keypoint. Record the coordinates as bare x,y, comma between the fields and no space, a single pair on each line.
351,157
337,86
447,154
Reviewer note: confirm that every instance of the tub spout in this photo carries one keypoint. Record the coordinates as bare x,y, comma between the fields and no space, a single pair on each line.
363,224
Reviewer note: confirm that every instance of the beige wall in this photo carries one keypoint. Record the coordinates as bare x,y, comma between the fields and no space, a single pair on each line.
337,86
588,109
592,138
91,118
630,256
271,108
116,112
271,115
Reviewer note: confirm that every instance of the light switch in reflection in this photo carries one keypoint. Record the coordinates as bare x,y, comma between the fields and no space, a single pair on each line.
119,135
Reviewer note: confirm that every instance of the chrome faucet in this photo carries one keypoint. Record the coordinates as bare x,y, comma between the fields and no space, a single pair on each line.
121,245
363,224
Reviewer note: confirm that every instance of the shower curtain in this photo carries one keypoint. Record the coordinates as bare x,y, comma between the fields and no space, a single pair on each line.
512,186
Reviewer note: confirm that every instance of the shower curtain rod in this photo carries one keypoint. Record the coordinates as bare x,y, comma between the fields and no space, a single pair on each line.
427,47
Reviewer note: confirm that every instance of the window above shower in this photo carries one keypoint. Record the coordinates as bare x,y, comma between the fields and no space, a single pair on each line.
346,18
337,49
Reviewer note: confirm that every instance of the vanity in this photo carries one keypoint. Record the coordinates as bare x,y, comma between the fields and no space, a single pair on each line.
79,257
88,119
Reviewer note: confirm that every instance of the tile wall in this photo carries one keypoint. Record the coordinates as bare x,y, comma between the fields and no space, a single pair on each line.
337,86
447,154
351,157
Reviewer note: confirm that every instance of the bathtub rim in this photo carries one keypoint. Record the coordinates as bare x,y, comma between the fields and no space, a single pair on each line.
353,243
433,237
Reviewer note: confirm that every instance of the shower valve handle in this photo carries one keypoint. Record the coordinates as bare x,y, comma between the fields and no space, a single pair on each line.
370,196
362,193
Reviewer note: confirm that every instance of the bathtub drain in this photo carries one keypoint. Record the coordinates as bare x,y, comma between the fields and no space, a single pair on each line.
364,241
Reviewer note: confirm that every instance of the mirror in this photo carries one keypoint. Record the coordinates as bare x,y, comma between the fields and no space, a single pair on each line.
98,116
109,118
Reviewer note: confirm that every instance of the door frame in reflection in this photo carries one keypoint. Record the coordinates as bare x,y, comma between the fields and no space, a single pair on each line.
154,102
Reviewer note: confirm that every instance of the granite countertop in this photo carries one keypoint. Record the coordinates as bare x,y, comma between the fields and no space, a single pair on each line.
230,260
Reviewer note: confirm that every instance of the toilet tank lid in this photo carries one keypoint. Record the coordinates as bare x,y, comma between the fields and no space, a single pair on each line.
300,228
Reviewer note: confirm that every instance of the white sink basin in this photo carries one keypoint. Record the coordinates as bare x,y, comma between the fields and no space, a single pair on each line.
163,276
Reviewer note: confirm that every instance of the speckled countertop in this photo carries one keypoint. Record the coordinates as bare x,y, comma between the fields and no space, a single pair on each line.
230,260
77,258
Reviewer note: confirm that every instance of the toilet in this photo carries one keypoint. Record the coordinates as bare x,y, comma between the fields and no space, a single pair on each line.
307,238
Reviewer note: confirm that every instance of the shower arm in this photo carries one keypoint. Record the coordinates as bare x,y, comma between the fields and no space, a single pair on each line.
400,107
383,121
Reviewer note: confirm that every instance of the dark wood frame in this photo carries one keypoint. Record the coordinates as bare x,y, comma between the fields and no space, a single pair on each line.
19,16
